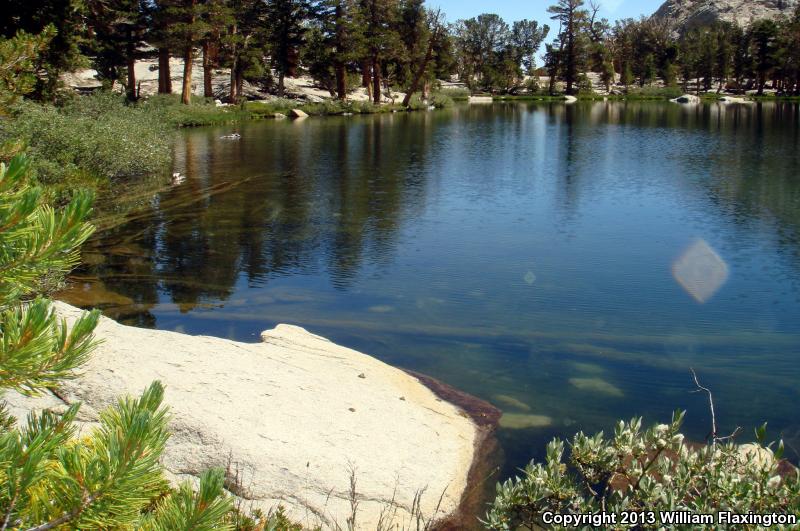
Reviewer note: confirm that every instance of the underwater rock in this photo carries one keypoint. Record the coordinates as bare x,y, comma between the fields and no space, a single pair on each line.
597,385
510,401
522,421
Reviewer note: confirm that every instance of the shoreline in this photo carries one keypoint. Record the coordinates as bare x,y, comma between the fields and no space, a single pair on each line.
208,115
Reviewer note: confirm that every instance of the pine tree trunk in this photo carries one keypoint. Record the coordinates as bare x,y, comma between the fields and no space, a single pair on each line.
131,58
234,97
376,81
239,80
281,84
164,76
366,78
418,74
341,81
208,90
188,59
186,93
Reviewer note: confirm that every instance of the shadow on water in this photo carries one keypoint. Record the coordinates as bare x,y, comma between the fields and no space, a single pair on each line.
521,252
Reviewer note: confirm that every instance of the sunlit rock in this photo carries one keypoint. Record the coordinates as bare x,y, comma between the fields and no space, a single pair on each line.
287,418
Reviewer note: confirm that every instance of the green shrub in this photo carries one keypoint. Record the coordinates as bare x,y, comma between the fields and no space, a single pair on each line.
441,101
643,472
656,93
455,94
416,103
92,137
203,111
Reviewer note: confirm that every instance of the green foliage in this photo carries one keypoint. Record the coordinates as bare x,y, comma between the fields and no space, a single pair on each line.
37,244
455,94
50,478
441,101
18,57
97,137
203,509
492,55
416,103
64,24
654,93
650,470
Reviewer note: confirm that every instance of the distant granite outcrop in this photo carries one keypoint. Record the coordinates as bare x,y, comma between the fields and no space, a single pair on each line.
686,14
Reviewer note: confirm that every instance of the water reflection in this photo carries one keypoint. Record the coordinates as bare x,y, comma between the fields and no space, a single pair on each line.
519,251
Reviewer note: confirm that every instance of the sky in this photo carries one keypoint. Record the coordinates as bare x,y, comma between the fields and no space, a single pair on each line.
511,10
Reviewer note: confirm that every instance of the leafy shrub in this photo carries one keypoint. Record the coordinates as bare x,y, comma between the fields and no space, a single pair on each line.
416,103
97,136
441,101
655,92
203,111
652,470
455,94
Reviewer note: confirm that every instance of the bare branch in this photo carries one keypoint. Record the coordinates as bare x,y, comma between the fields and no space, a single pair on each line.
710,405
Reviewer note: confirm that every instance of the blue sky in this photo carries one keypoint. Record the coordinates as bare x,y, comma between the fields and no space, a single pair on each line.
512,10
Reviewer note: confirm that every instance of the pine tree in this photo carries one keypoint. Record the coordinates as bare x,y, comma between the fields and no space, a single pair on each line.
18,57
218,17
187,29
572,21
285,20
341,31
764,35
50,478
119,28
64,51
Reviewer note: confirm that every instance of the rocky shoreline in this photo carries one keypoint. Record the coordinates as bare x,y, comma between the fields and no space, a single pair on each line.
292,417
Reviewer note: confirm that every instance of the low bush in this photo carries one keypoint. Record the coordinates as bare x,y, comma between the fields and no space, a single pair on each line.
656,93
455,94
441,101
645,472
202,111
416,103
97,137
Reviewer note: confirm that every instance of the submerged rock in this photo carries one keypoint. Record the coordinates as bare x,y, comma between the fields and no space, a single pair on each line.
291,416
522,421
511,402
597,385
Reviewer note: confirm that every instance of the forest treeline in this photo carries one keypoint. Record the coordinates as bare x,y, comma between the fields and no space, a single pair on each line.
385,45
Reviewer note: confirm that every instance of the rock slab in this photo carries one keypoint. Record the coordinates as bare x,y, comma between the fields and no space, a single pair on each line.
687,14
289,418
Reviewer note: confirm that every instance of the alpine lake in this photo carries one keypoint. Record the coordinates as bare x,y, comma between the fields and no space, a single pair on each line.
569,264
